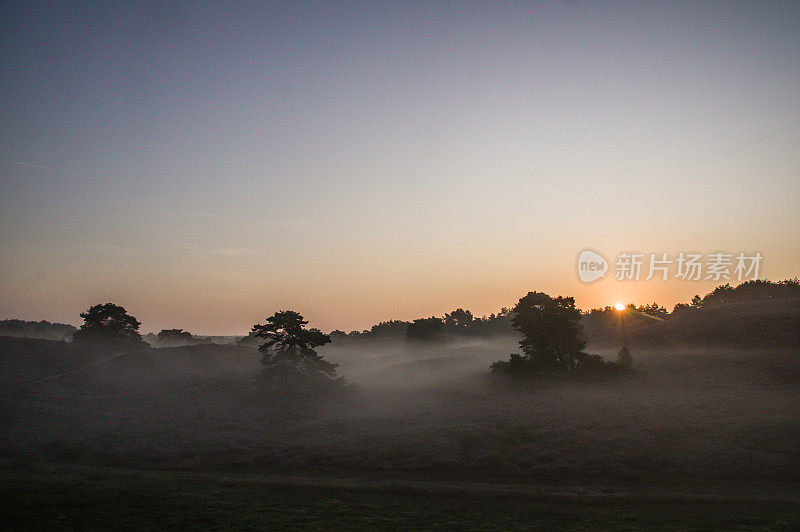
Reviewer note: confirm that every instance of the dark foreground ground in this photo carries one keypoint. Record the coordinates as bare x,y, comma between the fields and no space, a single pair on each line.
87,498
695,438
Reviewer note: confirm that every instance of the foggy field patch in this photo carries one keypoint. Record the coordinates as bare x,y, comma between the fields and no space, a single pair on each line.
420,411
426,437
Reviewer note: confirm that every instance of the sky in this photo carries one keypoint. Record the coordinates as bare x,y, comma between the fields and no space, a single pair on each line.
205,165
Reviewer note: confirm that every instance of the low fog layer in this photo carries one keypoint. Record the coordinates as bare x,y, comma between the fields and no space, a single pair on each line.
686,412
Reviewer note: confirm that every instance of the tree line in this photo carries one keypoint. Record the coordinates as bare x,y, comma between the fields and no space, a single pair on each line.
747,292
551,342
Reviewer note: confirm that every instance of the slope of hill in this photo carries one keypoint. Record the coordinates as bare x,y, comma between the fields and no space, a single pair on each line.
757,323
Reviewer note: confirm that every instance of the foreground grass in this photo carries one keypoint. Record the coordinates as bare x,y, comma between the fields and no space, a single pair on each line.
75,498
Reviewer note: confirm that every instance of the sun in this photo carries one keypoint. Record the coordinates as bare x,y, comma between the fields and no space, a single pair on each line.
619,306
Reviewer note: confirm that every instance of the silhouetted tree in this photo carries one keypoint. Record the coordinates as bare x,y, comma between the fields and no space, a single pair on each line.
499,323
624,359
36,329
288,354
109,325
551,330
719,296
681,308
424,329
552,340
175,337
654,309
395,328
459,319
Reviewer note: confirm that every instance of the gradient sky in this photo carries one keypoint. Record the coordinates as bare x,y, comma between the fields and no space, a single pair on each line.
206,165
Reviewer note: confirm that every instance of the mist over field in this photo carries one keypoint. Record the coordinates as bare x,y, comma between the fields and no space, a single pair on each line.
399,265
413,408
715,418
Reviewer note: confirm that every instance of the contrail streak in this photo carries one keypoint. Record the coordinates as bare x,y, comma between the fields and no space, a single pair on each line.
35,165
197,214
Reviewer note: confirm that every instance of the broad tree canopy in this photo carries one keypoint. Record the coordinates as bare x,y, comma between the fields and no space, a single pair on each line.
109,325
551,328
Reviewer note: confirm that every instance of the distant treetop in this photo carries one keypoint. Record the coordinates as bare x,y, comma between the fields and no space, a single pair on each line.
110,326
37,329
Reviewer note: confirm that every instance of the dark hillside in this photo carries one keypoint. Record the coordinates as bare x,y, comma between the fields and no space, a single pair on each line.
756,323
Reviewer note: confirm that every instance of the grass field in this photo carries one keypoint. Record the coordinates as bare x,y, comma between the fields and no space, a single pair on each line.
693,439
84,498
